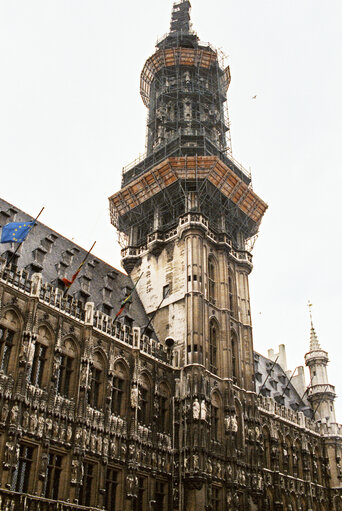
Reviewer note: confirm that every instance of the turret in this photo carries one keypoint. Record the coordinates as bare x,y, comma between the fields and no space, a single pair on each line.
321,393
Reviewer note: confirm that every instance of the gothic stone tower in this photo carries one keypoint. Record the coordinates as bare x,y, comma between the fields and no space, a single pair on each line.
187,209
186,212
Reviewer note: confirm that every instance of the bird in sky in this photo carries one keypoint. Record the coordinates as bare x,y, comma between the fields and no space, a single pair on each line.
254,97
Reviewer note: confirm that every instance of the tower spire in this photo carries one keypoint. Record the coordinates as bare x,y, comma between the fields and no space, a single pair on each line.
314,342
180,17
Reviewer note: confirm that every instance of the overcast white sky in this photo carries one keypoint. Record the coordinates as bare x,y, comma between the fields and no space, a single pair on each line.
71,117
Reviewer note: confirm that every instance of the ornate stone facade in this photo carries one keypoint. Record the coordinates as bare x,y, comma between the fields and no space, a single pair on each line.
168,407
94,414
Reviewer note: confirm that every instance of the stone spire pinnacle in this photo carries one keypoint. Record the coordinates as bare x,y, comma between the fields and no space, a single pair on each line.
180,17
314,342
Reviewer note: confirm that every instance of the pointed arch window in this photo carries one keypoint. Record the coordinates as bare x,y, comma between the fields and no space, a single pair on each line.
213,342
8,329
97,382
144,400
119,389
38,370
235,359
231,291
66,369
163,408
212,278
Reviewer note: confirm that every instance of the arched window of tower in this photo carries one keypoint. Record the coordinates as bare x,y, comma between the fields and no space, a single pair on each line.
213,343
234,355
212,278
232,293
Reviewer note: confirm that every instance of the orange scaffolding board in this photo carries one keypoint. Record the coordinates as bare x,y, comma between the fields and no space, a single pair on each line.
175,169
173,57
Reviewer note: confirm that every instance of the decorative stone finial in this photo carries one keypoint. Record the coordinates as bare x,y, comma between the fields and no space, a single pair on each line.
314,343
180,17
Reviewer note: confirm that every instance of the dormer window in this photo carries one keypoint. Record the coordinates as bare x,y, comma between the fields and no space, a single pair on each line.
47,243
61,268
106,309
67,256
107,294
39,255
7,216
110,279
85,283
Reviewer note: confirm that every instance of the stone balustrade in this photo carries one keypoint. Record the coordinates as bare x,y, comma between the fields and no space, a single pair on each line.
12,501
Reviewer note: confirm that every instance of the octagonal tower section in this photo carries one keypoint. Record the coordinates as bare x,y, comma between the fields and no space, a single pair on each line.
187,210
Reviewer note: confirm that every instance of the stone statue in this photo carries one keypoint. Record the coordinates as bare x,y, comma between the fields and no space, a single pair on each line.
113,447
78,435
43,465
218,470
74,471
196,409
203,410
99,444
14,414
4,412
16,455
234,424
62,431
40,426
33,423
8,455
30,352
154,460
69,433
131,481
120,425
84,375
26,419
48,426
134,396
105,446
131,450
260,482
123,450
93,442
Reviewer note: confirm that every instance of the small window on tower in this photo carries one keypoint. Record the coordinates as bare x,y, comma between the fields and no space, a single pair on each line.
166,290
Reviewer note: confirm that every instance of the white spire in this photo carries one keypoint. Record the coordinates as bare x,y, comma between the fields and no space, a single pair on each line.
314,342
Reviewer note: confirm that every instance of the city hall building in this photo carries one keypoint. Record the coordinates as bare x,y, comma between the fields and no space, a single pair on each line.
165,406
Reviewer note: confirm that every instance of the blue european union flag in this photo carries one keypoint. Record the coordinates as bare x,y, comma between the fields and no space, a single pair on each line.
15,232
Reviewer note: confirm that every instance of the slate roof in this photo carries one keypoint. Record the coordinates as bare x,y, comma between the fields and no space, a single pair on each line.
47,252
272,381
54,256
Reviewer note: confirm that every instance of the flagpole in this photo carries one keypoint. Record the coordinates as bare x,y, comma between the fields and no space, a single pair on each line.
269,374
155,312
19,245
123,303
79,268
